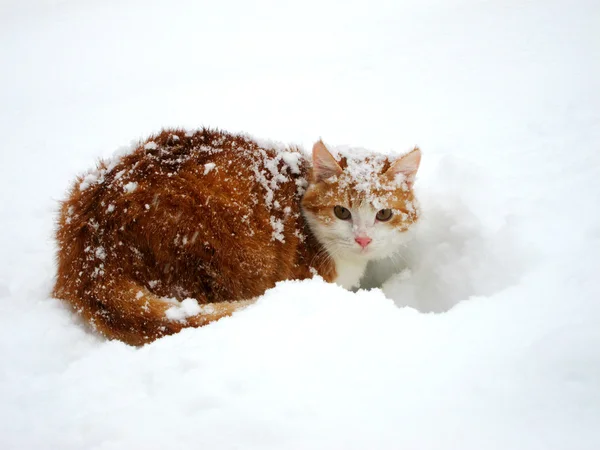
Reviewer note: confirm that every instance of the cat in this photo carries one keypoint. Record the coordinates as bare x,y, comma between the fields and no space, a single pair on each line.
191,226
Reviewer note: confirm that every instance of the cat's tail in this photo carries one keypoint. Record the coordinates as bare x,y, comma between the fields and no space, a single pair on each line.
123,309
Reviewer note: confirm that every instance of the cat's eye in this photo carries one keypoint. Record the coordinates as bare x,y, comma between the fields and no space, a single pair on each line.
383,215
341,212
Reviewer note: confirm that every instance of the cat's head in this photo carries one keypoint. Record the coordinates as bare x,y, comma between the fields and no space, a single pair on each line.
361,205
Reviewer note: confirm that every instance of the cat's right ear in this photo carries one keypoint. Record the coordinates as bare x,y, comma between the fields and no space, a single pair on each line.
324,164
406,166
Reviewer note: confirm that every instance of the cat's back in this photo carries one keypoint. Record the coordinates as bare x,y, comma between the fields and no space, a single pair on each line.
240,186
210,158
223,190
220,168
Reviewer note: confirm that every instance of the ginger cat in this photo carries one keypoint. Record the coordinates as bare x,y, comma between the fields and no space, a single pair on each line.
190,227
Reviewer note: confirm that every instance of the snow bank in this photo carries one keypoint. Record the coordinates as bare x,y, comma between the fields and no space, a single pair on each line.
457,251
309,360
310,365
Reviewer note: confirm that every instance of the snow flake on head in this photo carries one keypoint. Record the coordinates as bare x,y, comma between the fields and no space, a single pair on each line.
364,173
363,169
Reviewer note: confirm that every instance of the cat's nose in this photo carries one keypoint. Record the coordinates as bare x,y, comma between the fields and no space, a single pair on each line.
363,241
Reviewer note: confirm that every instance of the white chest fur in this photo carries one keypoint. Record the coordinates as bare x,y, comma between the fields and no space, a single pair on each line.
349,272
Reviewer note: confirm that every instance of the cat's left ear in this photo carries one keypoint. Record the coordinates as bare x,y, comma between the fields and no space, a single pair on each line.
407,166
324,164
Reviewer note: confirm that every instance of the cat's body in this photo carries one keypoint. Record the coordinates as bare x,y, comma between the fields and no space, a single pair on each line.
210,217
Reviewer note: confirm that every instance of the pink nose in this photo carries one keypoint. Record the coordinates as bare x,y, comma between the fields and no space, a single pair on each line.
363,241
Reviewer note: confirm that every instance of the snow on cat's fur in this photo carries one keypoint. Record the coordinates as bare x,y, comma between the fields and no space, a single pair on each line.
191,226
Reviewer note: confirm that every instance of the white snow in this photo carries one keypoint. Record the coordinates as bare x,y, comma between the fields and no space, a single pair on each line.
187,308
363,169
292,159
498,346
208,167
130,187
277,225
88,180
151,145
100,253
266,163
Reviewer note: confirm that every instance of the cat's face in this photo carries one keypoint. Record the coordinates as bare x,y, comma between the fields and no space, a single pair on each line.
361,206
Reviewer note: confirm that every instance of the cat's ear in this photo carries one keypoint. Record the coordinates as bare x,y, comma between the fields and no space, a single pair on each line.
324,164
406,166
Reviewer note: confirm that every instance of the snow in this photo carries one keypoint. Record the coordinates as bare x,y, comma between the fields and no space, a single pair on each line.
208,167
187,308
277,225
265,162
292,160
100,253
130,187
88,180
150,145
485,333
362,171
